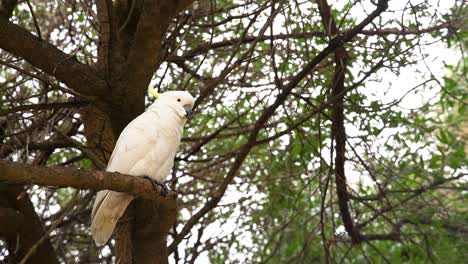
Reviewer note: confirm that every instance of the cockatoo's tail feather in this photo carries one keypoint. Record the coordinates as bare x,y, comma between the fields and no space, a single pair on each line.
108,214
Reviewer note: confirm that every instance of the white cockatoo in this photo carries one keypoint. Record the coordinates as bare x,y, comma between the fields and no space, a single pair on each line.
146,147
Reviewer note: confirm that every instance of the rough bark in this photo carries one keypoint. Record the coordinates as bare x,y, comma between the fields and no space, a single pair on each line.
98,131
135,54
18,174
150,236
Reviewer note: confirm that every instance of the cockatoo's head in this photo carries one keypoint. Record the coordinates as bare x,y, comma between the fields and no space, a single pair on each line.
179,101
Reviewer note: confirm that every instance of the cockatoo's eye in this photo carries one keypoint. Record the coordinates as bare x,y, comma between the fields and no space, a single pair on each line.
178,99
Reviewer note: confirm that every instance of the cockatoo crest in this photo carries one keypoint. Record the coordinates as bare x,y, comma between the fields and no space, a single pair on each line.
153,92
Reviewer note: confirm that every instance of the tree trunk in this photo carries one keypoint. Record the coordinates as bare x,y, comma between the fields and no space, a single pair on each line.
150,228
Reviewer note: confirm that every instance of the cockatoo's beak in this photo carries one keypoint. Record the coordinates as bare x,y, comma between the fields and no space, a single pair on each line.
188,110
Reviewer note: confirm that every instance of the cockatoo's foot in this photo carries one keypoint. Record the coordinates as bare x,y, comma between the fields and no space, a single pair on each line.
154,183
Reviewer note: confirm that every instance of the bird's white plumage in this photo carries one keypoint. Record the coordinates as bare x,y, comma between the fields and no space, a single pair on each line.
146,147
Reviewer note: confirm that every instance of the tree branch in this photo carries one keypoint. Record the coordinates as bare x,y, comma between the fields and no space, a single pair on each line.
205,47
45,56
266,114
45,106
18,173
6,8
338,130
144,52
105,16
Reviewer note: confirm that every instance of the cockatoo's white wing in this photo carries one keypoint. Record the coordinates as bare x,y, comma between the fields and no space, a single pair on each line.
135,141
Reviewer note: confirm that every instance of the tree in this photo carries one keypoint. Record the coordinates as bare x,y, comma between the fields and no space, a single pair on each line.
287,114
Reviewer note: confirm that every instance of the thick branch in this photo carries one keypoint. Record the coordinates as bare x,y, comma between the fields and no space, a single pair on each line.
45,56
104,10
17,173
338,130
6,8
145,49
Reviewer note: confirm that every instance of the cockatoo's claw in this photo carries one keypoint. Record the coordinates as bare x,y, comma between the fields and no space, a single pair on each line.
164,189
154,183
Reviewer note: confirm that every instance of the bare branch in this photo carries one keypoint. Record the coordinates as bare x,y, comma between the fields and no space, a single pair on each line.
203,48
36,107
338,130
17,173
45,56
